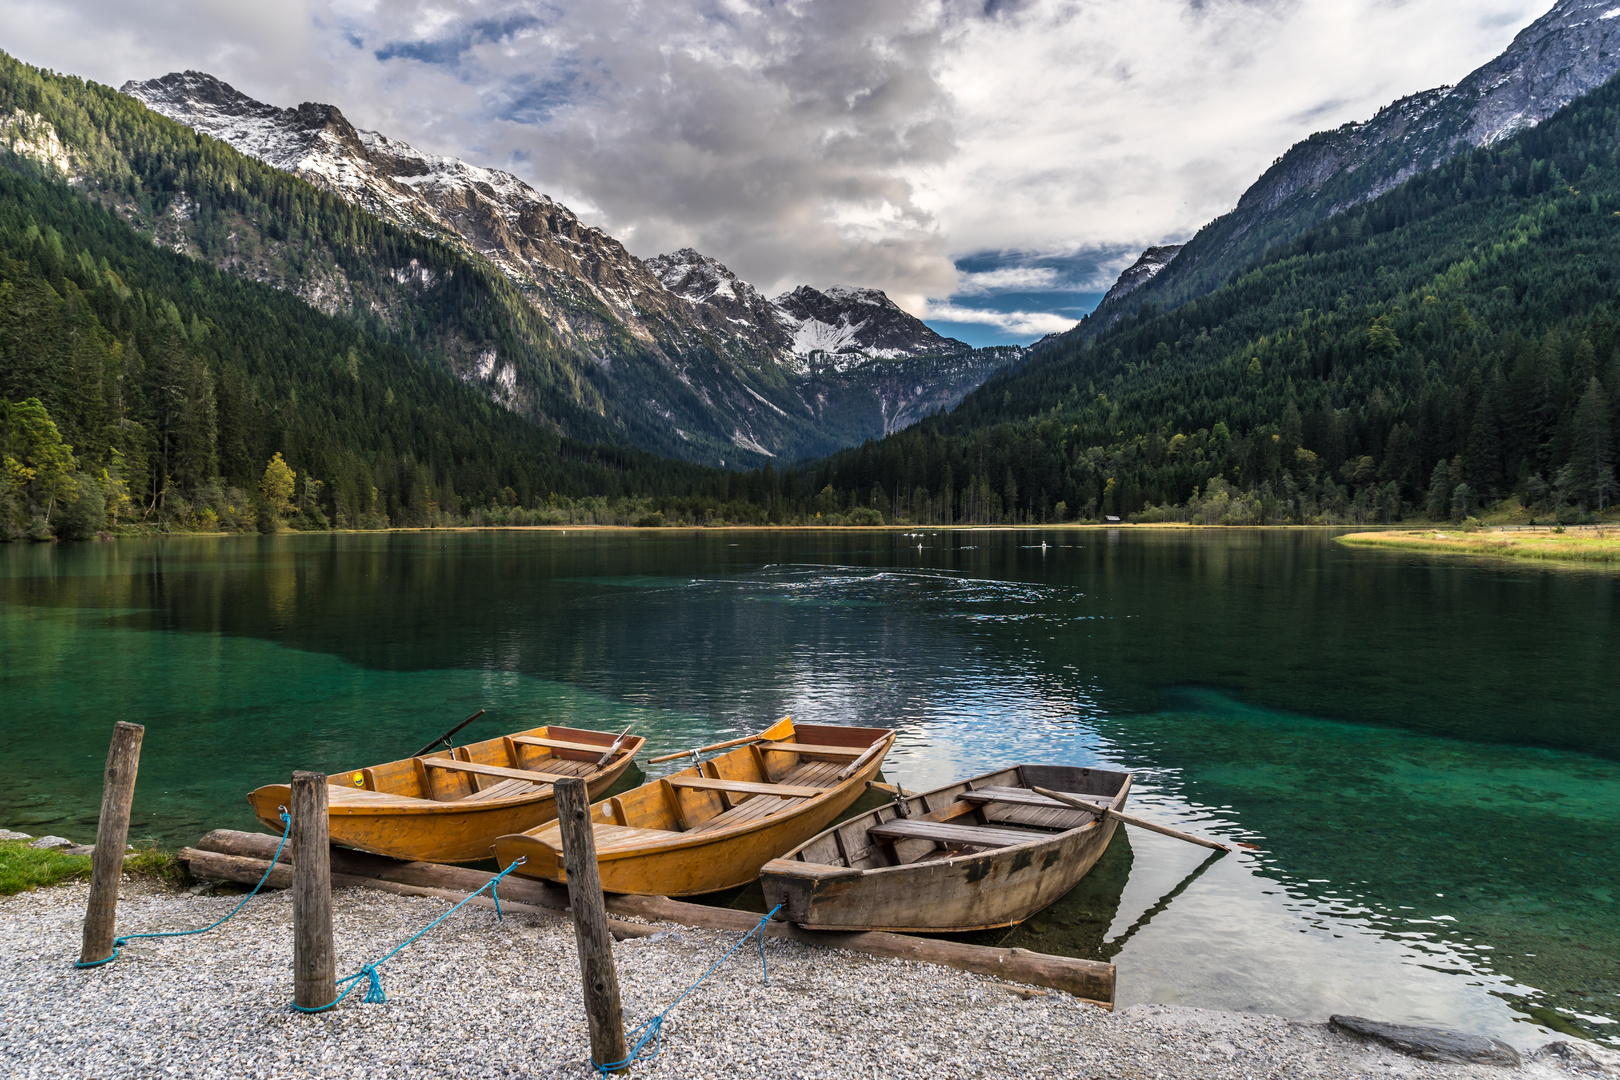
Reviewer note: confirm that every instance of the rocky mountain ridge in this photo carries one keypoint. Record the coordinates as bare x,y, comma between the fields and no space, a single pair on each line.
1139,273
539,243
1572,49
697,352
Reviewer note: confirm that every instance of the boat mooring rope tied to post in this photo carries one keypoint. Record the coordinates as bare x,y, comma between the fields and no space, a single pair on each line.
118,943
652,1030
374,990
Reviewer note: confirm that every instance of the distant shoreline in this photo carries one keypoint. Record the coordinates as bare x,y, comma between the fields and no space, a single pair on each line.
1591,546
1072,526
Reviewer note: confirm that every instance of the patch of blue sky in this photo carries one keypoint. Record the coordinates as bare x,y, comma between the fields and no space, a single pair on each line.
533,101
1015,298
449,48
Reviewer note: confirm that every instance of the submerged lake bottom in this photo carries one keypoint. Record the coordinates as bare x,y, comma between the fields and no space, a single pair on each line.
1422,750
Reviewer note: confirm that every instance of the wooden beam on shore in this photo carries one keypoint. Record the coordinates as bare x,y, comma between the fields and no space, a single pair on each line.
230,855
217,866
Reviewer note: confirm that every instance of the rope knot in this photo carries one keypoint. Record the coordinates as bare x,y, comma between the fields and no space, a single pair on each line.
374,990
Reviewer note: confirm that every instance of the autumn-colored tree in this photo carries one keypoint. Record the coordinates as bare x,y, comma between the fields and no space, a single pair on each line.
276,488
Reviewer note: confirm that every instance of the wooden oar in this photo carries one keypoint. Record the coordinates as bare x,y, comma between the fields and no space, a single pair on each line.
855,766
444,740
706,749
605,758
1102,811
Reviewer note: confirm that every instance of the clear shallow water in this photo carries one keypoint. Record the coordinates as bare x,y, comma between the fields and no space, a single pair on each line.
1425,750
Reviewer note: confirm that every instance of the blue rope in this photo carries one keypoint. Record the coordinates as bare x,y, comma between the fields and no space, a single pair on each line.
374,991
653,1030
120,942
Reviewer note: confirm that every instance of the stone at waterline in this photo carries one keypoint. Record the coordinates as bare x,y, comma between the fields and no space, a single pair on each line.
52,842
1430,1044
1583,1059
7,834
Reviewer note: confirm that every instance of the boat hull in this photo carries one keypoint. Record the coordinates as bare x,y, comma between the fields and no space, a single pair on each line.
689,863
429,831
977,891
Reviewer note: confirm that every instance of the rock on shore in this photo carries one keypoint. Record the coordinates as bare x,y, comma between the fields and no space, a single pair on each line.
479,998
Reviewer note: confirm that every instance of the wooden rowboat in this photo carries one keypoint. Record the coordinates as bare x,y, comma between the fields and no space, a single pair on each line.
981,853
712,826
449,806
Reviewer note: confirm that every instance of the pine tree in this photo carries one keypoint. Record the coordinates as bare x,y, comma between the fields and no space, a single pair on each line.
1591,464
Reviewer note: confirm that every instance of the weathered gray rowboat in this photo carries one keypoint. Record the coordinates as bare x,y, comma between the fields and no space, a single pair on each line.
976,854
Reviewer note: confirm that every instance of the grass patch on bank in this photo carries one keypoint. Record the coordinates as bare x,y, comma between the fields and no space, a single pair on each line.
23,867
158,864
1586,546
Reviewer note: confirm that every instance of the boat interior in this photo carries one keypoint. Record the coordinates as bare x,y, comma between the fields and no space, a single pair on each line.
509,767
784,769
992,811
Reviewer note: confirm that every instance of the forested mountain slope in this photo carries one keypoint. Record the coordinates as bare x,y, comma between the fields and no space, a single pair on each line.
1452,341
164,386
1572,49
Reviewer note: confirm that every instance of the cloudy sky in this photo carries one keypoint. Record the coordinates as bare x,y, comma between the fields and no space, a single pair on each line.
992,164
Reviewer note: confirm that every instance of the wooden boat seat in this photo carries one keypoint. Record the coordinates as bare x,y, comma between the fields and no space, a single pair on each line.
558,744
946,833
1024,797
811,748
531,775
743,787
337,795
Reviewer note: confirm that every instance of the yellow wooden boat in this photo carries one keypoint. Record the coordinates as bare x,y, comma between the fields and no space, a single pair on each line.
712,826
450,805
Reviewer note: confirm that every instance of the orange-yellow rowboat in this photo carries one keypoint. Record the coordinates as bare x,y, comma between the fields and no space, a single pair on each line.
449,806
712,826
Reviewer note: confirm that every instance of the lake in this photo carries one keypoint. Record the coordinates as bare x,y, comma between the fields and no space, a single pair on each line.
1425,750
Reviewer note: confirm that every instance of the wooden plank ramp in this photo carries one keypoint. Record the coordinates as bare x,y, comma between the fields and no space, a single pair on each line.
229,855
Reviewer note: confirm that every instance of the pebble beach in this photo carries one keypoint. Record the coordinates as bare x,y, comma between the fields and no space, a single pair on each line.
479,997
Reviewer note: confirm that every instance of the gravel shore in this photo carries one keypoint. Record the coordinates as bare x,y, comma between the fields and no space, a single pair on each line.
479,998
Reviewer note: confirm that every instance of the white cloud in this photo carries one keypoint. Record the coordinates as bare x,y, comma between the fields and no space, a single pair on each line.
1018,324
1009,279
866,142
1082,123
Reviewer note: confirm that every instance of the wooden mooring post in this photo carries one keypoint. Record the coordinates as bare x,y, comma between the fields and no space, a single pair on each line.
314,964
112,834
602,1009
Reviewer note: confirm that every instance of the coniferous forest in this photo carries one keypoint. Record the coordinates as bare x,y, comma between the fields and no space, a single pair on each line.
1444,350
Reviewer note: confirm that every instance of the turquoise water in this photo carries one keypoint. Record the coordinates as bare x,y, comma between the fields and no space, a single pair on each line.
1424,750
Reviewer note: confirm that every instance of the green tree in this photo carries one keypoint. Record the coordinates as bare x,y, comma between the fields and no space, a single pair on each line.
38,464
1382,339
1439,500
1592,467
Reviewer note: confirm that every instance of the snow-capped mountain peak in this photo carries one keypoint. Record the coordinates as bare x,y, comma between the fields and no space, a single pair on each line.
537,242
698,278
845,320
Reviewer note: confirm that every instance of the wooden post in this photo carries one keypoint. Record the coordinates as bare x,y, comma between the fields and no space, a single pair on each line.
314,964
602,1009
112,834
